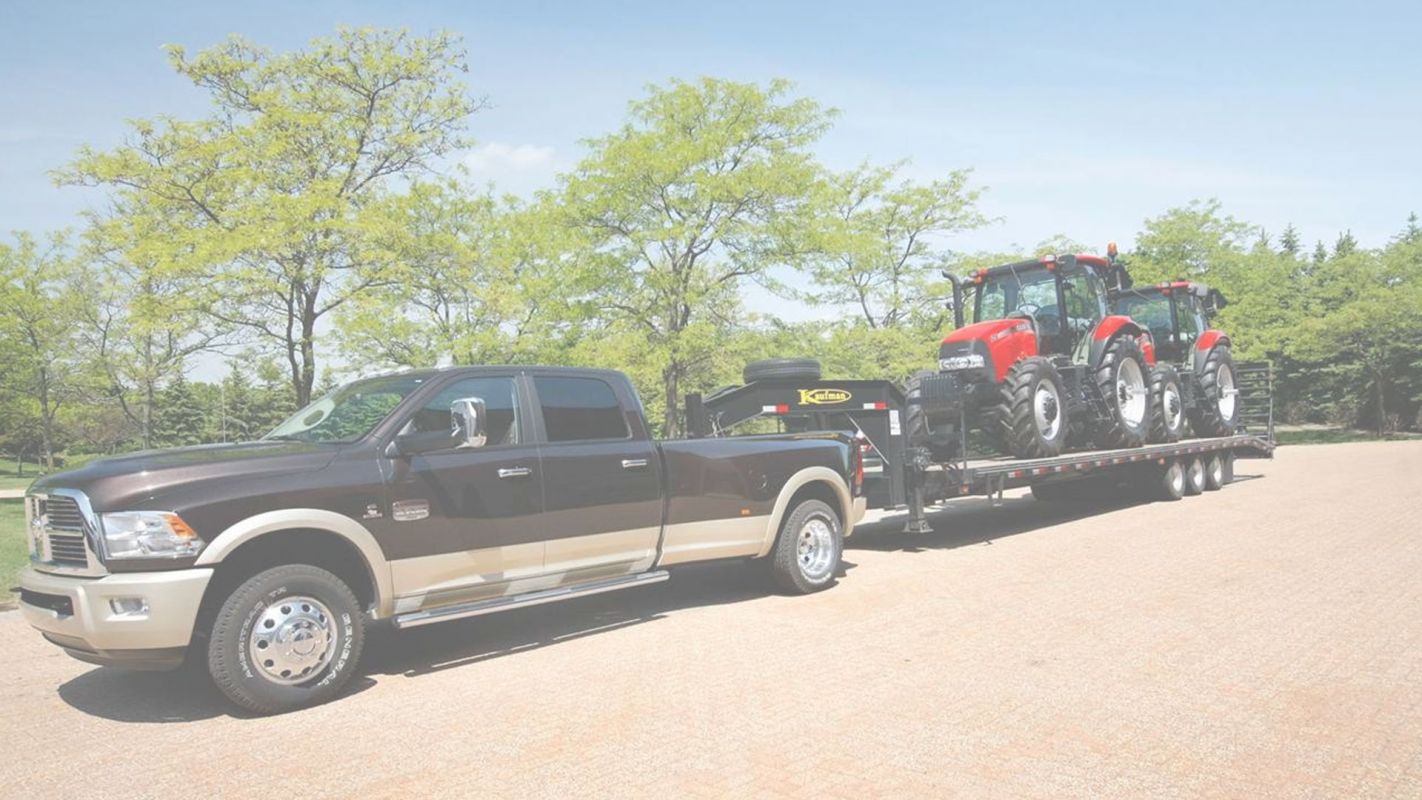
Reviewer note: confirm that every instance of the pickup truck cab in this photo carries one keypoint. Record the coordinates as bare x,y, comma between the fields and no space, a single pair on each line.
414,498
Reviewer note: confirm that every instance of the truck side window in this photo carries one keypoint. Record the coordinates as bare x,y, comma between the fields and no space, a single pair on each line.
578,409
499,400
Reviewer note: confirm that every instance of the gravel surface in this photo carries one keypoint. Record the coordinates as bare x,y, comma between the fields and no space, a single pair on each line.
1262,641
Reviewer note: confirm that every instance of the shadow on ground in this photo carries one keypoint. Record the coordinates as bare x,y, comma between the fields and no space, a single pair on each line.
180,697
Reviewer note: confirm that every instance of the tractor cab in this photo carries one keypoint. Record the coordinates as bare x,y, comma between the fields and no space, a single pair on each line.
1176,313
1063,297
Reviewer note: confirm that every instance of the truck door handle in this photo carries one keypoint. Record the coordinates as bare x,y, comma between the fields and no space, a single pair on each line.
634,463
514,472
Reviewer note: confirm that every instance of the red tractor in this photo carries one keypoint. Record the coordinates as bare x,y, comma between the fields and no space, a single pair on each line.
1044,364
1200,386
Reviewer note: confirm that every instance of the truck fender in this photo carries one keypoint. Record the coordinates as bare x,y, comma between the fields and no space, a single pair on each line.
287,519
1205,344
797,482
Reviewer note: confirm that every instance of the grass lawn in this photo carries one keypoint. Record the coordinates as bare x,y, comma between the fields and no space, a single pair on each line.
11,482
14,550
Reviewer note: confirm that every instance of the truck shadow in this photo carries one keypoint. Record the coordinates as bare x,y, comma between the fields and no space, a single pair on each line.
176,697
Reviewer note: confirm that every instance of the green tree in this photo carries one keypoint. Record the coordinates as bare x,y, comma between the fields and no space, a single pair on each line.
181,420
877,242
699,191
273,197
474,279
39,304
1289,242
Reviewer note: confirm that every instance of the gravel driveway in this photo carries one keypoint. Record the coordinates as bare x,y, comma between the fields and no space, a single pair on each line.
1262,641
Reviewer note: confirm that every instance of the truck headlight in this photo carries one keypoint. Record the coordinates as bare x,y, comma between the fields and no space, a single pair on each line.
148,534
970,361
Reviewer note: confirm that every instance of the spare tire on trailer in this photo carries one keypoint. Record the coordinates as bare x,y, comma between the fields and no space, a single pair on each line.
782,369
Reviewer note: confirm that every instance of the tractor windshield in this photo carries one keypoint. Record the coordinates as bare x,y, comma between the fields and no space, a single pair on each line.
1149,308
1025,291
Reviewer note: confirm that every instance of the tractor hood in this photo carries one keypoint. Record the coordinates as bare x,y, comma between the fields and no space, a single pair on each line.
984,330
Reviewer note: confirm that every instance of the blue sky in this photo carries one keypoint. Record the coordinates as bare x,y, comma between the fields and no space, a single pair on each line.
1081,119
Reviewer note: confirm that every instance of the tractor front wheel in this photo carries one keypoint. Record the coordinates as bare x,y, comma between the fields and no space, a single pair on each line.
1216,413
1121,380
1031,412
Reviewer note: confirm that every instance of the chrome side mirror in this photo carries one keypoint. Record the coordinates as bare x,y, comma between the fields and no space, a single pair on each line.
468,419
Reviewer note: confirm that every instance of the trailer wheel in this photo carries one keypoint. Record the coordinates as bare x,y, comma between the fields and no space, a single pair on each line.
288,637
1167,421
1122,380
1216,411
1214,472
807,551
782,369
1170,483
1030,418
1194,476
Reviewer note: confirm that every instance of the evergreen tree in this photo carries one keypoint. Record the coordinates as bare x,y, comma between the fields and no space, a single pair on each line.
1412,234
238,406
180,415
1346,244
1289,241
1320,253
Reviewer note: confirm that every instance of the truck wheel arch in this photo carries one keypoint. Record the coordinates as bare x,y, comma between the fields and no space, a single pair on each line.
315,520
808,478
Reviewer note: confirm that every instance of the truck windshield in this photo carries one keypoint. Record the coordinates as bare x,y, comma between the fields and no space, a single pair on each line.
348,413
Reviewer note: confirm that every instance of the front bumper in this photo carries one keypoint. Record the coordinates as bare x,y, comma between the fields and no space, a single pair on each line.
75,613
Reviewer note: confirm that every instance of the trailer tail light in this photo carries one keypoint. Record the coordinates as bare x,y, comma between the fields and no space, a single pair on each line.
880,406
779,408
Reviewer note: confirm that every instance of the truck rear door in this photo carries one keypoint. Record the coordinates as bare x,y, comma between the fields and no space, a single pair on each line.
601,478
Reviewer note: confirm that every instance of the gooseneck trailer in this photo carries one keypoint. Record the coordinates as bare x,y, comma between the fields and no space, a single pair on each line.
901,472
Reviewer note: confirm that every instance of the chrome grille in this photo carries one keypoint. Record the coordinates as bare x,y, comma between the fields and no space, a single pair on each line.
68,549
63,514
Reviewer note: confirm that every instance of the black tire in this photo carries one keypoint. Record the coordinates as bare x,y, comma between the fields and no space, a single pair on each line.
796,570
1015,421
1167,405
942,443
782,369
1122,354
1214,473
1206,417
247,684
1194,476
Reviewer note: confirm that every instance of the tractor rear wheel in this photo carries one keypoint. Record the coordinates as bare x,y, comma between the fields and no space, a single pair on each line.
1121,379
1030,416
1167,421
1216,412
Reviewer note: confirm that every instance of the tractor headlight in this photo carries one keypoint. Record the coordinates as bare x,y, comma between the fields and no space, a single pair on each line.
148,534
970,361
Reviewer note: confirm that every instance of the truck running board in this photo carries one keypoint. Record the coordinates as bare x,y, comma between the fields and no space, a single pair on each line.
417,618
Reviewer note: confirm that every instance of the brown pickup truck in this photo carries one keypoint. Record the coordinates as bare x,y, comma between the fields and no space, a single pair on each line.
412,498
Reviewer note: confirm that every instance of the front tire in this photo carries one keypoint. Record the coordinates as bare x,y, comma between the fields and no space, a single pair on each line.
1167,419
286,638
1031,413
1122,382
1217,411
807,551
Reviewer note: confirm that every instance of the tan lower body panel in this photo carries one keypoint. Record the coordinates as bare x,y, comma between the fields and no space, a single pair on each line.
716,538
469,575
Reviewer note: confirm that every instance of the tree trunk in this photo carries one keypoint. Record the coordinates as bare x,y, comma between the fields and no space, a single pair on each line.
46,422
671,428
1381,403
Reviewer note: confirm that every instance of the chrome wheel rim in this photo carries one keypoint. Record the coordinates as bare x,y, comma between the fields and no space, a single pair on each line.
292,640
1130,392
1224,380
1176,476
815,550
1216,471
1047,410
1173,407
